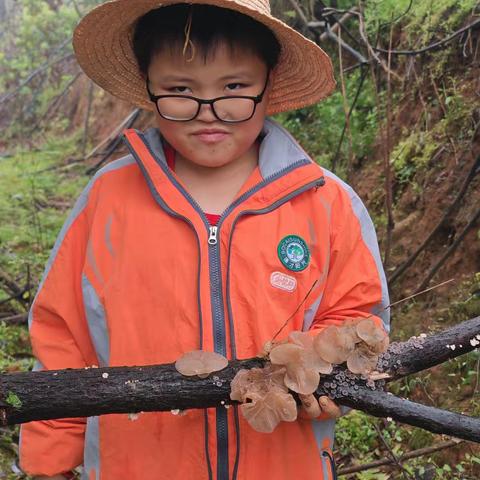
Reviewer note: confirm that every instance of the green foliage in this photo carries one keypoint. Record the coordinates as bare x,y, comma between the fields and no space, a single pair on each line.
355,435
32,189
37,37
463,370
357,438
14,343
13,399
416,148
420,439
424,20
39,28
319,128
469,305
412,154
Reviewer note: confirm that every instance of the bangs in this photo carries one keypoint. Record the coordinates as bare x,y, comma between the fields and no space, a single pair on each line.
194,30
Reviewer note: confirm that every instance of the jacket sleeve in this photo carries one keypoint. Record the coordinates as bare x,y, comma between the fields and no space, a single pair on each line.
60,339
355,284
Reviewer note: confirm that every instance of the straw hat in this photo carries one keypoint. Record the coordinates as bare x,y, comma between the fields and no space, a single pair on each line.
103,47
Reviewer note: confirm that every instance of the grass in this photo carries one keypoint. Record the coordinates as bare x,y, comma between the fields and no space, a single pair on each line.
38,187
34,201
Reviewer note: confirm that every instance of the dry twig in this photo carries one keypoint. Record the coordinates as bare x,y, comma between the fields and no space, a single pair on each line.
386,164
87,116
345,107
396,460
473,220
407,456
432,46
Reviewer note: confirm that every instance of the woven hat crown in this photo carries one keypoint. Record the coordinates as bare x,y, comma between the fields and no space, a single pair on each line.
260,5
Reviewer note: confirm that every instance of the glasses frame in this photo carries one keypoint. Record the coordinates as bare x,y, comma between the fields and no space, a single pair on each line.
200,101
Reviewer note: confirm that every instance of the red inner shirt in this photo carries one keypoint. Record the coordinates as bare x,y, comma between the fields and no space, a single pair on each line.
170,157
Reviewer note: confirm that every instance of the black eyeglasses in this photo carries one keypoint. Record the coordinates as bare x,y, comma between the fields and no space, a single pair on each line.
229,109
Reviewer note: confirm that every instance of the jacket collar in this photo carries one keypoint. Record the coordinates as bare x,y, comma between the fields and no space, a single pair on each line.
283,168
278,149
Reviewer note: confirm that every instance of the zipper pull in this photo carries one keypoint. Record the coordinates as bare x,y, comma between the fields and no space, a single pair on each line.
212,239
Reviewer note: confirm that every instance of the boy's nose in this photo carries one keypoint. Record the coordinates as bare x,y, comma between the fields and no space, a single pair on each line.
206,113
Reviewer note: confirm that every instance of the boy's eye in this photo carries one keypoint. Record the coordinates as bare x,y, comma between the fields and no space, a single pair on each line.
180,89
235,86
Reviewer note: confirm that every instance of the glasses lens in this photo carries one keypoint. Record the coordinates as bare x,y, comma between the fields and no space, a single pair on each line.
234,109
177,108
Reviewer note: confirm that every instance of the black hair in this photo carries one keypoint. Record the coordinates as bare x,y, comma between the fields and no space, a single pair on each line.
164,28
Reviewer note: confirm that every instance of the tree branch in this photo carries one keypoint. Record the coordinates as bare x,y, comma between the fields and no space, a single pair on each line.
436,420
95,391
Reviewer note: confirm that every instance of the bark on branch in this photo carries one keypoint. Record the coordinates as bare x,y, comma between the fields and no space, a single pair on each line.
94,391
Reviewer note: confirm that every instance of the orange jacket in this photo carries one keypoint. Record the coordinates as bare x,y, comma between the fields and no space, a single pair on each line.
138,276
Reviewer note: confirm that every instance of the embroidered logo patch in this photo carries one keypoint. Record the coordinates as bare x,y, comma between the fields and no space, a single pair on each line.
293,252
283,281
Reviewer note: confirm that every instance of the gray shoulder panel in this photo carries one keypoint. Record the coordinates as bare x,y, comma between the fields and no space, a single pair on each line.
278,149
370,238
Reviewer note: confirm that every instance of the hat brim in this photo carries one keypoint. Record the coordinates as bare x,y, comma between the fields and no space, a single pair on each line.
103,46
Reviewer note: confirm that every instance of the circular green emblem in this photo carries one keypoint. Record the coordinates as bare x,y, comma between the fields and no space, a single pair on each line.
293,252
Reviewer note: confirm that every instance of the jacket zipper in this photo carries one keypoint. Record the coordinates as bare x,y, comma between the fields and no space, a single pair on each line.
219,344
212,238
215,275
333,469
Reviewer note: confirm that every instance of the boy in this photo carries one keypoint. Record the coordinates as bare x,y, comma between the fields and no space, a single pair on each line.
208,236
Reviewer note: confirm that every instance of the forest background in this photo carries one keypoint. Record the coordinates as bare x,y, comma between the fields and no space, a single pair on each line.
402,128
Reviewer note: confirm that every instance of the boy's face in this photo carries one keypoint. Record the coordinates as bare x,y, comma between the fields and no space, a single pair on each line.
205,140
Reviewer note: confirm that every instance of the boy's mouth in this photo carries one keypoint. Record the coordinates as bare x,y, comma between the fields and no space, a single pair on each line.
210,135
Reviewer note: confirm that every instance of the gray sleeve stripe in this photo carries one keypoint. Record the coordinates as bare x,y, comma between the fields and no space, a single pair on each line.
93,262
91,451
37,366
97,322
310,313
370,239
76,211
108,235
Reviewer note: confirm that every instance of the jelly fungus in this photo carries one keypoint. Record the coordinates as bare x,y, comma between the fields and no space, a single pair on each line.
264,413
257,381
301,375
368,331
362,360
358,342
200,363
265,398
333,345
309,355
